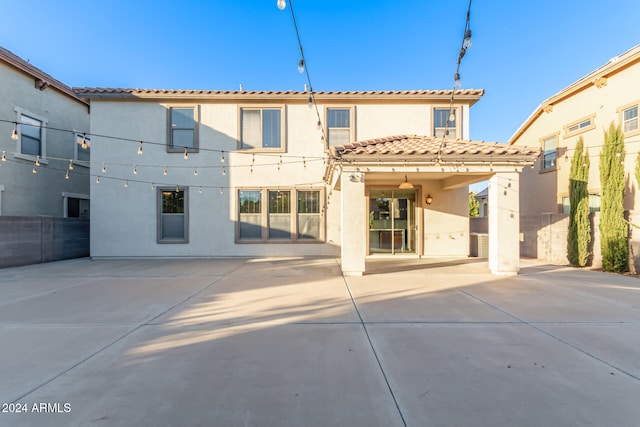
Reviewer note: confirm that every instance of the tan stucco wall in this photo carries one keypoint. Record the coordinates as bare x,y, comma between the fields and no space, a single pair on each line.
543,191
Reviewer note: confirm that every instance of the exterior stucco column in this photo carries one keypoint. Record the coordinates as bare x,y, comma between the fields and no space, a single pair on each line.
353,223
504,224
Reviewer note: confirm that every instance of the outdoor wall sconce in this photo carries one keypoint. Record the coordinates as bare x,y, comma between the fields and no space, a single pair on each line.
428,200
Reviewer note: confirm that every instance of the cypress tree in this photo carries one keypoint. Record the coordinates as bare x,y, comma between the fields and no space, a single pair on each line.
613,227
579,227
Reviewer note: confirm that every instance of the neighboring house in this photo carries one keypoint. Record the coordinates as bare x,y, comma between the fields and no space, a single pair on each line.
41,122
585,110
232,173
483,203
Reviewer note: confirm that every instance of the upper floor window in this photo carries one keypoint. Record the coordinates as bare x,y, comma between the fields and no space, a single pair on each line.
338,126
549,152
261,128
445,123
31,141
582,125
630,119
183,129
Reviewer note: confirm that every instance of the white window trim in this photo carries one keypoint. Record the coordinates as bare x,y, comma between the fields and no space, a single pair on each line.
76,147
43,136
457,111
590,126
621,111
65,200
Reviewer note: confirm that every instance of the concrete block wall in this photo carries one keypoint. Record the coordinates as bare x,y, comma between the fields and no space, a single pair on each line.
31,240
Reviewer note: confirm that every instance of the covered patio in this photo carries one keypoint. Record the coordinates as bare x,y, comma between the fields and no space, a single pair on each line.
408,195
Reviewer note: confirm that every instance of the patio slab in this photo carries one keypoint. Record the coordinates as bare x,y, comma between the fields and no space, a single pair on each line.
292,342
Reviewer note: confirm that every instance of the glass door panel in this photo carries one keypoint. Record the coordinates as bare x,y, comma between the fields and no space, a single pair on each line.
392,221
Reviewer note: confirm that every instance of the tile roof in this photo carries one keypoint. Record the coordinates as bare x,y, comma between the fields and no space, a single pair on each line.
416,145
26,67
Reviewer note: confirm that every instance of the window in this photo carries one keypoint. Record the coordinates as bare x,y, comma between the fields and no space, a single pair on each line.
443,125
76,205
594,204
630,119
261,128
183,129
173,215
82,149
290,216
549,152
582,125
309,215
279,214
31,141
338,126
250,214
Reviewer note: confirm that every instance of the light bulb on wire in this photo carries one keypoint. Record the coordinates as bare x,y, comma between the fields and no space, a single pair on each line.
457,84
14,134
466,43
310,101
282,4
301,66
140,149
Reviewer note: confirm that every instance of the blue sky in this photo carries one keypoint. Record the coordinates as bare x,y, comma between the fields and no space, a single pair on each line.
522,53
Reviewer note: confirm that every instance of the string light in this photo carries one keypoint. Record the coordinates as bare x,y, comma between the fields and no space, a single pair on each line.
70,165
14,134
140,149
135,169
282,4
301,66
84,142
104,168
195,171
200,190
224,171
37,160
186,154
98,180
222,157
34,170
221,190
126,183
67,175
4,156
153,185
165,171
177,189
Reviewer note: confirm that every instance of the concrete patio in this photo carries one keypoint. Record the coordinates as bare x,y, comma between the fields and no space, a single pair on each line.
291,342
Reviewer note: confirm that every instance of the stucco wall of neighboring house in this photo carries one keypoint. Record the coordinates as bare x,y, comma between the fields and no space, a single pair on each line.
25,193
542,191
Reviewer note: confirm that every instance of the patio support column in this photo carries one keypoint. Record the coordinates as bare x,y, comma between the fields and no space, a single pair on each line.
504,223
353,224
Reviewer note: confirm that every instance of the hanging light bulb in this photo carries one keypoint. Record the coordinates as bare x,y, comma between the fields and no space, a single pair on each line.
153,186
186,154
319,125
14,134
304,163
165,171
140,149
452,115
84,144
251,169
135,169
301,66
224,171
126,183
222,157
253,158
34,170
200,190
282,4
104,168
195,171
177,189
4,156
466,43
67,175
310,101
221,190
98,180
70,165
38,160
457,84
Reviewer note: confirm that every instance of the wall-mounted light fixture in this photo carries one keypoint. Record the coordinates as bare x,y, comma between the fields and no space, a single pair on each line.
428,200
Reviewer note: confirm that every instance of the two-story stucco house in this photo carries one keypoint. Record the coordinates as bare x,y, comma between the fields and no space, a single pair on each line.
42,122
241,173
584,110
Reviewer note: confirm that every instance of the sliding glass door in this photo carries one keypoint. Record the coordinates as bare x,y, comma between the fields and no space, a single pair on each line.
392,222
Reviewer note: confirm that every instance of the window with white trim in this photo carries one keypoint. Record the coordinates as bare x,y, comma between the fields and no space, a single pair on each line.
31,143
261,128
288,216
579,126
173,215
338,126
445,122
549,152
630,119
594,203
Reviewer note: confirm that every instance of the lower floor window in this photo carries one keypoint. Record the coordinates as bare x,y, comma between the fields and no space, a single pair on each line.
77,208
173,215
594,204
288,215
